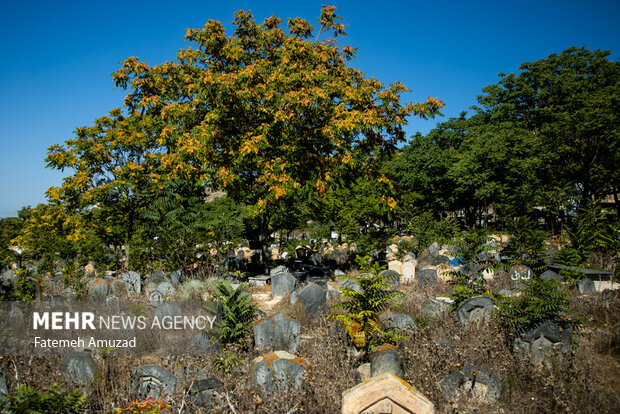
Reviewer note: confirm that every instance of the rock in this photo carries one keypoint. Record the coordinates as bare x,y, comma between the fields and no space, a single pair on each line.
427,277
204,393
279,370
78,367
133,283
282,284
277,332
151,381
551,275
478,309
472,381
440,260
433,308
586,285
385,359
312,298
386,393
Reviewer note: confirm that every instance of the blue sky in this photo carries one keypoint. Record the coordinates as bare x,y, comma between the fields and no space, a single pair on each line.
57,57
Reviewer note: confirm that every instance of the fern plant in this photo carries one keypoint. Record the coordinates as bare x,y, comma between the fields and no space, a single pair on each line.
540,300
363,307
28,399
238,312
226,360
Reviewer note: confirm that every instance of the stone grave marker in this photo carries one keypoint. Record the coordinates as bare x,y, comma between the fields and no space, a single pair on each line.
282,283
277,332
151,381
78,367
98,290
385,394
473,381
385,359
279,370
133,283
478,309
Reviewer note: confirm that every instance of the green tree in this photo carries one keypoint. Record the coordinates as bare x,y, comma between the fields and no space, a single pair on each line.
570,102
262,114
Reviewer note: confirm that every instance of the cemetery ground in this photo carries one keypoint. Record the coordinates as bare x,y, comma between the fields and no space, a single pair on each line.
583,379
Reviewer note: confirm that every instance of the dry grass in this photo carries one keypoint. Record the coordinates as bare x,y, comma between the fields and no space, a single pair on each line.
585,381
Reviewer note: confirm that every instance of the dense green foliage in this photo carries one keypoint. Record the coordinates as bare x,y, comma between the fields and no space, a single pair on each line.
238,312
30,400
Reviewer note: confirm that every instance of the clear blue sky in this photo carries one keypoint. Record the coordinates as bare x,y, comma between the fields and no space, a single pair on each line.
57,57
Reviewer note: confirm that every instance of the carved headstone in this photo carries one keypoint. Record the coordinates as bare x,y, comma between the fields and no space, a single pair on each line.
78,367
277,332
386,393
151,381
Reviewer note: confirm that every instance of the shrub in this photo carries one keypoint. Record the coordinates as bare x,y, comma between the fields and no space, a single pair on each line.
27,399
362,309
238,312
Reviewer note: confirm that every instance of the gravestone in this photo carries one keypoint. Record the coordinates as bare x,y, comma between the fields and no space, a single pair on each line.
520,274
385,359
78,367
543,340
282,284
400,321
156,277
118,287
435,308
151,381
133,283
383,394
396,266
166,289
177,277
279,370
312,299
427,277
205,343
408,272
98,290
551,275
471,381
155,297
168,309
478,309
277,332
392,276
586,285
3,387
204,393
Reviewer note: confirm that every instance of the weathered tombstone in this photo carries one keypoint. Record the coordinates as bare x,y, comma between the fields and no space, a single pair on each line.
282,284
155,297
435,308
168,309
279,370
349,283
520,274
177,277
205,343
166,289
151,381
385,359
362,373
543,340
473,381
427,277
312,298
386,393
551,275
393,277
78,367
204,393
277,332
156,277
98,290
133,283
3,387
408,272
478,309
118,287
586,285
396,266
400,321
